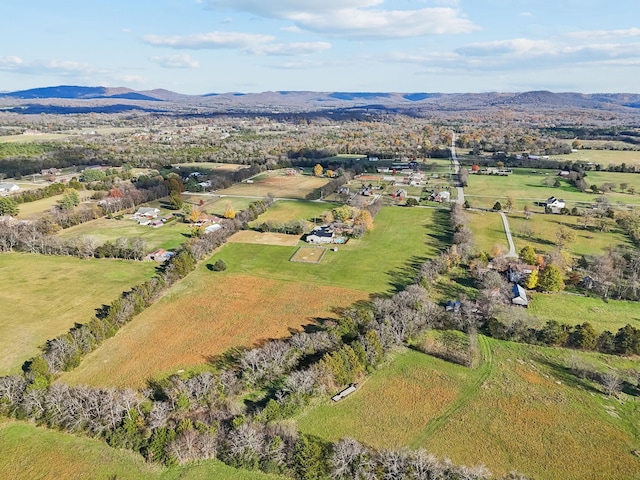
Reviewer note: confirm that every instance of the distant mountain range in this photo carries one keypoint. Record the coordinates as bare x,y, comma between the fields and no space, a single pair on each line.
80,99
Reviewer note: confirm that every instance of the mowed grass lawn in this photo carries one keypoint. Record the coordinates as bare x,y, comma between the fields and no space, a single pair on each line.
28,452
525,188
288,210
543,234
573,309
168,236
378,263
488,230
31,209
205,315
43,296
524,412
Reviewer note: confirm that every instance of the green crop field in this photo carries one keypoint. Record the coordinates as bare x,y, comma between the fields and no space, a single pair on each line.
379,262
574,309
525,188
28,452
168,236
520,409
543,230
43,296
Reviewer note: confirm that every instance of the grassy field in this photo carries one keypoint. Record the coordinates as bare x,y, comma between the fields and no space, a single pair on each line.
379,262
215,205
544,228
31,209
488,230
520,410
213,166
43,296
285,211
204,316
573,309
28,452
603,157
258,297
279,185
168,236
526,188
267,238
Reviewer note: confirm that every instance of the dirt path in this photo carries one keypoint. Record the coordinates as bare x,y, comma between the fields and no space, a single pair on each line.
467,394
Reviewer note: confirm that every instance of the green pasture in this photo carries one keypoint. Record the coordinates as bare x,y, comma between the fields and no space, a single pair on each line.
168,236
575,309
28,452
603,157
543,234
381,261
525,188
288,210
520,410
43,296
32,209
488,230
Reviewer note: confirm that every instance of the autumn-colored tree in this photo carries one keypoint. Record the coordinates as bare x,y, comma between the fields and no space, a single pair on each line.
229,212
532,280
364,218
527,212
329,173
115,193
195,215
509,204
317,170
565,236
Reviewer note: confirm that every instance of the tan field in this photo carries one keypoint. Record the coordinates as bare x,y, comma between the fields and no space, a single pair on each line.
267,238
203,317
298,186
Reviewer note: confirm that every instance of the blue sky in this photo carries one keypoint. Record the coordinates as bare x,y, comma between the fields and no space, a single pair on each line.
202,46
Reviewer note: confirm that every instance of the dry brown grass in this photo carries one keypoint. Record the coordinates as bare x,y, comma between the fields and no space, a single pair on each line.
298,186
203,317
309,254
267,238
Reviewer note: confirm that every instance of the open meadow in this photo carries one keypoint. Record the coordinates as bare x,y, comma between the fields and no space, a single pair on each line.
43,296
32,209
168,236
261,295
214,166
521,409
286,210
278,184
205,315
540,232
603,157
28,452
575,309
380,262
526,187
488,231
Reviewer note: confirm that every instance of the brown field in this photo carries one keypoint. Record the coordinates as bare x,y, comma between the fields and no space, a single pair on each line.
201,318
309,254
298,186
267,238
220,167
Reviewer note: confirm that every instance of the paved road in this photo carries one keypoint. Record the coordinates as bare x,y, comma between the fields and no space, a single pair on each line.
512,248
456,166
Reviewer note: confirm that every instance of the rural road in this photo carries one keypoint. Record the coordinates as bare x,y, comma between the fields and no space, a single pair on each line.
456,167
512,248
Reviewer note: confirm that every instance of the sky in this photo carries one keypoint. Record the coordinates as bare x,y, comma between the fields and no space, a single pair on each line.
207,46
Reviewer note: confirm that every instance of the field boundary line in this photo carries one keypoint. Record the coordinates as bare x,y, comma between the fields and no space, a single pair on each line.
465,396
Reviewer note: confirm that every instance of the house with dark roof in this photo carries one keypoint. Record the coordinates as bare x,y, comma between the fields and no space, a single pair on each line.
323,234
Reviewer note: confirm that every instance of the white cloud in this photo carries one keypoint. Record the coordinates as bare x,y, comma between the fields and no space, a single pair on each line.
10,62
210,40
291,49
602,34
385,24
516,46
357,18
291,29
176,61
526,14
